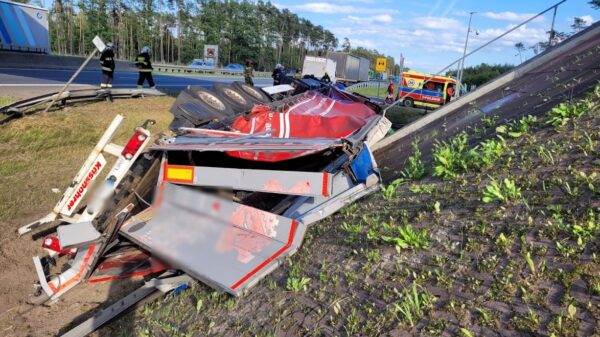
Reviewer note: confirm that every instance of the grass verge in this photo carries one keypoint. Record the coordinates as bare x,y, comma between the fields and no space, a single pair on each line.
42,152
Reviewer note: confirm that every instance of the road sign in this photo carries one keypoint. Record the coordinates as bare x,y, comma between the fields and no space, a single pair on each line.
99,43
381,64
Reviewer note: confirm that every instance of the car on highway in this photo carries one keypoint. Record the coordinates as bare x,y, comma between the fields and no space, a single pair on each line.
233,68
199,63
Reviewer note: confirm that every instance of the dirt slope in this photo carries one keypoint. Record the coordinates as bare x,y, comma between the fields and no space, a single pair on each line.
38,153
431,257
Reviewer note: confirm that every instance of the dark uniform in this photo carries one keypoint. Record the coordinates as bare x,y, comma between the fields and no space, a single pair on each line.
248,74
107,62
277,76
145,68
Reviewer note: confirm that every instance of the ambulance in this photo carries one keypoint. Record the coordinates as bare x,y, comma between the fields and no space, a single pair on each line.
424,90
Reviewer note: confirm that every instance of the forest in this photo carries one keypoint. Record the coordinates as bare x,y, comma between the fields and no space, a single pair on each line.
177,30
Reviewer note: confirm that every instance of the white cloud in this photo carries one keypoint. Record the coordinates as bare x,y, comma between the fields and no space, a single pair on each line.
524,34
509,16
328,8
587,18
324,8
363,43
378,19
437,23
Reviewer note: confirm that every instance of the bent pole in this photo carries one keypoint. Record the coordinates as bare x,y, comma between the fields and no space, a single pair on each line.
89,58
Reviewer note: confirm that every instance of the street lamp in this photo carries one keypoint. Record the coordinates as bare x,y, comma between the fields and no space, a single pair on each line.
462,62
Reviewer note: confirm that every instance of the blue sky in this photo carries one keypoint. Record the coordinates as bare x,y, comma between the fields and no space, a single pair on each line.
431,34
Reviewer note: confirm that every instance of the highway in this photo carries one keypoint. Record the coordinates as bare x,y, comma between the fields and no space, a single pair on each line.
24,82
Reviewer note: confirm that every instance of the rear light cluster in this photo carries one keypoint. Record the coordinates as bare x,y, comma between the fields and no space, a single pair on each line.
51,243
134,144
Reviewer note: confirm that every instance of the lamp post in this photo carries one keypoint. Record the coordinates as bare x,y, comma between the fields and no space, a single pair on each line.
462,62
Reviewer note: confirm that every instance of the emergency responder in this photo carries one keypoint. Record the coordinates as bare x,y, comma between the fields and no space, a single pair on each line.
107,62
298,74
142,62
277,74
248,73
449,93
390,92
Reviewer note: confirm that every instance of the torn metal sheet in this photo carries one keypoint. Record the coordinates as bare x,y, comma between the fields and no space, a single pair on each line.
227,245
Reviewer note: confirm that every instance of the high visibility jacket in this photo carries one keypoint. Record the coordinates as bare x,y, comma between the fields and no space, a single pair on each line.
142,61
107,60
248,71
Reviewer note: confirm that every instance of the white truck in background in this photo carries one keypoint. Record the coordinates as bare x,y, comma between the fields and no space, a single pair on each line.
350,69
318,66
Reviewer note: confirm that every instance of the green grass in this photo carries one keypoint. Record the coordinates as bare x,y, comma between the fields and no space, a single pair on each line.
372,92
6,100
42,152
401,115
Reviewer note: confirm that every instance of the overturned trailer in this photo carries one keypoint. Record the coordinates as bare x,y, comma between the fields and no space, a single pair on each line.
223,201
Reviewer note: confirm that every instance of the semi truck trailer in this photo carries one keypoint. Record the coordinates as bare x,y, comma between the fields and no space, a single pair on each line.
350,68
23,28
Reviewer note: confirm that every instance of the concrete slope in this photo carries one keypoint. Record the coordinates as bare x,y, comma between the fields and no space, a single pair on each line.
565,71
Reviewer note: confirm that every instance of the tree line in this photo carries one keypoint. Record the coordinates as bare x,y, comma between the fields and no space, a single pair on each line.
177,30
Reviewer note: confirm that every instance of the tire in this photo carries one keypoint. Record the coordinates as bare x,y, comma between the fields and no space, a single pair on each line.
255,94
408,102
189,107
211,102
238,100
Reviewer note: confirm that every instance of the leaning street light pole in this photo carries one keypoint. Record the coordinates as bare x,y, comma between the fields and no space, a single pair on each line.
462,62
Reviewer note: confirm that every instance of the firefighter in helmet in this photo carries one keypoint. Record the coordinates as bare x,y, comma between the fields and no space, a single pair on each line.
142,62
248,72
107,62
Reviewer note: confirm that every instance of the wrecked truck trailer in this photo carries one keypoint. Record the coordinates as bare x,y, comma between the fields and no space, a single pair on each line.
225,199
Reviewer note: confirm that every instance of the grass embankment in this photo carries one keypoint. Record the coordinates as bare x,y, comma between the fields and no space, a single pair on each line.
501,239
41,152
372,92
6,100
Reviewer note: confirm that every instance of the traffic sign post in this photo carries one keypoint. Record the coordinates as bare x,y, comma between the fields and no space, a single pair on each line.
380,66
99,47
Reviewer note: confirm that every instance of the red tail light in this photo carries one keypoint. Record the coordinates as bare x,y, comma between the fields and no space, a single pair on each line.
52,243
134,144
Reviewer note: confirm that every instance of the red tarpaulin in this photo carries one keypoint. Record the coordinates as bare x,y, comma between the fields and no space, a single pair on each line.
313,116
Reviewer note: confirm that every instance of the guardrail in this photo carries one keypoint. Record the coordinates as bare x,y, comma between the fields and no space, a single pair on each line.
168,68
370,84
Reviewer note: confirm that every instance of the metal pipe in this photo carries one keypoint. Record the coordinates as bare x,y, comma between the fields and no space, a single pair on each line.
481,47
552,33
462,63
70,80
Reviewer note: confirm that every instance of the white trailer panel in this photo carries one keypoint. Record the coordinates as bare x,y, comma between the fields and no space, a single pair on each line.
318,66
23,28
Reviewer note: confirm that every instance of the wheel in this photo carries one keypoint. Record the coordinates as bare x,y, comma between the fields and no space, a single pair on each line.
255,94
408,102
211,102
234,96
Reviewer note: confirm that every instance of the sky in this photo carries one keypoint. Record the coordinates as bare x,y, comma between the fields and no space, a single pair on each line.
431,34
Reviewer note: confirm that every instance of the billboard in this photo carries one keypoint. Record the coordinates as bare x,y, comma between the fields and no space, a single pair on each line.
211,55
23,28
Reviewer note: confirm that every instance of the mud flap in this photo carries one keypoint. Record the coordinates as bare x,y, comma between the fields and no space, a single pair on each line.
226,245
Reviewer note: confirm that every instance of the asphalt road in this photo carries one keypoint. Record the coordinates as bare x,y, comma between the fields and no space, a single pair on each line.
15,80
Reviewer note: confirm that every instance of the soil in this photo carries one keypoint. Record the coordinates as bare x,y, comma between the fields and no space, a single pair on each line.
472,277
29,169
